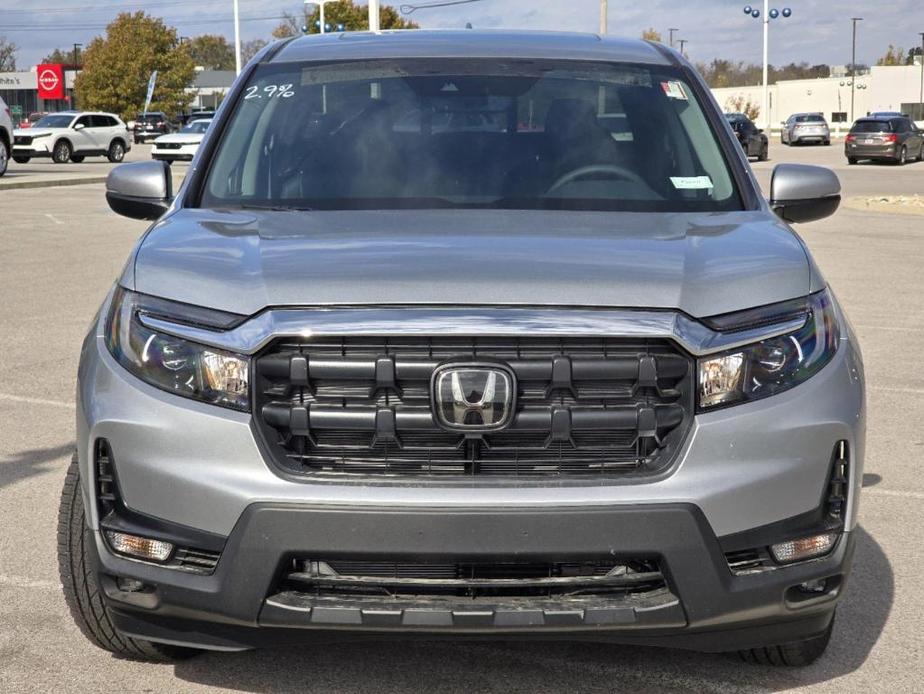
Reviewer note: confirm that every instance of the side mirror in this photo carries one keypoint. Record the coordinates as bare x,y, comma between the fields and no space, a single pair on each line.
140,190
801,193
79,126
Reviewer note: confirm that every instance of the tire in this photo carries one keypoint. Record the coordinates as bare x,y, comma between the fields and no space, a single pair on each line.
77,158
82,591
794,654
902,157
22,160
61,154
827,143
764,153
851,160
4,157
116,151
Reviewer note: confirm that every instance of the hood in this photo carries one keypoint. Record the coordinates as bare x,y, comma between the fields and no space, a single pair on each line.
244,261
35,132
184,138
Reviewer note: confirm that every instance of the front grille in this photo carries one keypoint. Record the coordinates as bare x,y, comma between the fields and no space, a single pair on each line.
169,145
472,580
584,407
22,140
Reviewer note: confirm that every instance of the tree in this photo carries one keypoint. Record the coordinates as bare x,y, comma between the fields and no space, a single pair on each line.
250,48
353,17
7,55
738,104
211,51
60,55
893,56
116,68
651,34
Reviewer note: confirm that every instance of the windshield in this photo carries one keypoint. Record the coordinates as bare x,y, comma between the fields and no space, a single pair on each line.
199,126
871,126
150,117
53,122
810,119
457,133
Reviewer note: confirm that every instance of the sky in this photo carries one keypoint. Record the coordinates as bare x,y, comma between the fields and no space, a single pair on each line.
819,31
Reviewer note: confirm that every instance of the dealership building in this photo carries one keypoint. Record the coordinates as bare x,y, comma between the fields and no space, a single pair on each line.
23,93
50,88
880,88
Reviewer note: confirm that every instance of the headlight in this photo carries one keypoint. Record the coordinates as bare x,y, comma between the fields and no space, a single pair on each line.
172,363
35,137
774,365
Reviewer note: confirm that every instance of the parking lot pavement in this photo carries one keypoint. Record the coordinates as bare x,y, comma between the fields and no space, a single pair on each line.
45,173
60,254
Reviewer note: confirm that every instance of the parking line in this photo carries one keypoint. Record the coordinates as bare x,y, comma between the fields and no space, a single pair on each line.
37,401
889,389
893,492
23,582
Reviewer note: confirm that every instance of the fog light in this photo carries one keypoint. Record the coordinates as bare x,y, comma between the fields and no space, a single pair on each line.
140,547
804,548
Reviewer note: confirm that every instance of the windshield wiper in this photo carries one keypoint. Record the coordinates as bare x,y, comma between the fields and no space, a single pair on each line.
274,208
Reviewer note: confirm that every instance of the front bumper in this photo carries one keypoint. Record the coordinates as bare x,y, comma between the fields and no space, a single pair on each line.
32,151
707,608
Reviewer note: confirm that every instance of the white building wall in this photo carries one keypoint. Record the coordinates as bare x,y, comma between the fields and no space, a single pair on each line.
883,89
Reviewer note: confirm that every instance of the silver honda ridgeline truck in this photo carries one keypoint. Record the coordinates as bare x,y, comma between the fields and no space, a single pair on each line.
481,334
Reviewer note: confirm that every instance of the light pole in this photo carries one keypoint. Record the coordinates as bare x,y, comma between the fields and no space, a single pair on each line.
853,65
682,42
237,39
373,15
768,15
671,33
320,3
604,19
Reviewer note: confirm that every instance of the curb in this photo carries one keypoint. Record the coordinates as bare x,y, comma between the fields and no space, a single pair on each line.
53,183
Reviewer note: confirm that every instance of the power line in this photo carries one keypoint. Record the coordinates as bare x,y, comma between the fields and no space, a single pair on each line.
173,22
110,7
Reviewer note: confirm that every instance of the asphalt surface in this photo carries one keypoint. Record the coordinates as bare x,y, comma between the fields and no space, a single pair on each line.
62,248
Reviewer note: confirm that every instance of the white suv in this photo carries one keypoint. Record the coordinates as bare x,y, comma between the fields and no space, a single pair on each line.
6,136
71,136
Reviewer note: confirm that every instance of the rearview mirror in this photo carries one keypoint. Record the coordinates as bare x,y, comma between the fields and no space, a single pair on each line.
802,193
79,126
140,190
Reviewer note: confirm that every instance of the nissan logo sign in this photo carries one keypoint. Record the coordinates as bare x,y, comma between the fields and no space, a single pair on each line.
49,80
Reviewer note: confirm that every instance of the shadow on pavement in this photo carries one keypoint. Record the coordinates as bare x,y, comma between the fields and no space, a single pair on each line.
25,464
463,666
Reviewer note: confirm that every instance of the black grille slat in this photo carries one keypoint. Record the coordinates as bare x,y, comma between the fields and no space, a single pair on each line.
585,406
473,580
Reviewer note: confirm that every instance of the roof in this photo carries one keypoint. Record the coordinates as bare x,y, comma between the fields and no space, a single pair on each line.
468,43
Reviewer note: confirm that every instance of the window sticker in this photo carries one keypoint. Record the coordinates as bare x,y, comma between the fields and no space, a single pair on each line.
674,90
692,182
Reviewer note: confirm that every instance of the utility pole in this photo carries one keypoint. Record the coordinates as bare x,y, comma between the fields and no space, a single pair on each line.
682,42
74,95
671,33
237,40
921,99
853,66
603,17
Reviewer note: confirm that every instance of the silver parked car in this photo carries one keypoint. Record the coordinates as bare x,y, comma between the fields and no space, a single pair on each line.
801,128
6,136
372,377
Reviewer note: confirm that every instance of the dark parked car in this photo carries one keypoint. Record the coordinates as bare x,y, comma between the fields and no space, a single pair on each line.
150,125
752,139
895,139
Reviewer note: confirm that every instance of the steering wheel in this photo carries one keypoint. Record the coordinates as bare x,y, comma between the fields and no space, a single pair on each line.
583,171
